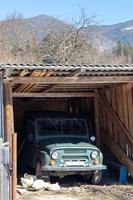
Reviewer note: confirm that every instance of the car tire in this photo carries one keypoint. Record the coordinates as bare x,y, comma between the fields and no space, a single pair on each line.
96,177
40,174
38,169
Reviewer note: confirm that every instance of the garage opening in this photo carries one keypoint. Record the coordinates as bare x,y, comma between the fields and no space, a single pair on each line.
69,106
107,108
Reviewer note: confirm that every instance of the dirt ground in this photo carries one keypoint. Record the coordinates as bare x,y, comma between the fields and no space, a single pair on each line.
77,189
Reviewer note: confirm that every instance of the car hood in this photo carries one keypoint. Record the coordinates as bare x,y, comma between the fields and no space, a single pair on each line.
69,143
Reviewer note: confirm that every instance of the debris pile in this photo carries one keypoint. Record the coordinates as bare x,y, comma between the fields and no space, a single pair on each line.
30,182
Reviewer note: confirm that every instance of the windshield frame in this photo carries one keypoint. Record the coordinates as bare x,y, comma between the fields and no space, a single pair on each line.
38,137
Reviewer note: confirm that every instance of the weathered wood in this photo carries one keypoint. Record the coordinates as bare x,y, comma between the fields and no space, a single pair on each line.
49,73
118,152
72,80
24,87
9,118
97,125
52,94
125,109
48,88
109,124
31,86
130,106
24,72
119,103
113,98
114,118
8,112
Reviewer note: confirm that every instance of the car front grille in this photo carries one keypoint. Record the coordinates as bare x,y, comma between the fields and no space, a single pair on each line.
75,151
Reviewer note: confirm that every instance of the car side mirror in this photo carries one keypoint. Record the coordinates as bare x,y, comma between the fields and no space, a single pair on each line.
92,138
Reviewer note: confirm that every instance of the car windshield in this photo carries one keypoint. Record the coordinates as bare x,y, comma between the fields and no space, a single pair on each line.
61,127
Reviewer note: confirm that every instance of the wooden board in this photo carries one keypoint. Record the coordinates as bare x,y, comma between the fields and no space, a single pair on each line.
72,80
55,95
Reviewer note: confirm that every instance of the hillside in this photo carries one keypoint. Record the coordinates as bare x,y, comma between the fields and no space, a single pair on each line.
105,36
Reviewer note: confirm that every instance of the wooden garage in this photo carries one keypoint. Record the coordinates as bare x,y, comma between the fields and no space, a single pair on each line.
104,91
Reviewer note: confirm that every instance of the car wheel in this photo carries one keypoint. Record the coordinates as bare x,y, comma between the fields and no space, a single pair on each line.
38,169
96,177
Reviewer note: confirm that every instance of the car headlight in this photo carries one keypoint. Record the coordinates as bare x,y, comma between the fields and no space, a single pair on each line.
55,155
94,154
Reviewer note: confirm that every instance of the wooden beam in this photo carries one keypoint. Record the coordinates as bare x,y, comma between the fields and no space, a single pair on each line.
8,112
22,88
68,94
48,88
49,73
97,125
29,87
24,72
71,80
125,105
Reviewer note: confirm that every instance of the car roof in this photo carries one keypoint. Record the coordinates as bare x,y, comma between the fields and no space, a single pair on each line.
55,114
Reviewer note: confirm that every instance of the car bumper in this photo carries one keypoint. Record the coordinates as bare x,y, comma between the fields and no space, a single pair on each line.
74,169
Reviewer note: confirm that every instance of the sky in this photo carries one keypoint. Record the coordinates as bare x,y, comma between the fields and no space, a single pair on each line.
106,11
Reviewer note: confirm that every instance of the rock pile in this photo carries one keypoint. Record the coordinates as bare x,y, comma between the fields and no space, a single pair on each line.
30,182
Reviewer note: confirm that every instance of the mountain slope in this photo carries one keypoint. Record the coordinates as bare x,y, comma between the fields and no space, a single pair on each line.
122,32
42,25
104,36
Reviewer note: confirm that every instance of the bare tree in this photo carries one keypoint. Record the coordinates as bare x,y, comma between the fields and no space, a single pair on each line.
17,43
71,46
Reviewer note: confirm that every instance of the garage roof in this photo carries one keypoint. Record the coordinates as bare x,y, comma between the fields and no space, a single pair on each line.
10,70
63,80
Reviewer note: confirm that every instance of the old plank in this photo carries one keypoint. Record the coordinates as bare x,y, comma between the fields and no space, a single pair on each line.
8,112
129,88
125,106
72,80
118,152
115,118
52,94
97,123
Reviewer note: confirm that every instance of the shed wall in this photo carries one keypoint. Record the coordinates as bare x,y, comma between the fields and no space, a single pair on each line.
116,123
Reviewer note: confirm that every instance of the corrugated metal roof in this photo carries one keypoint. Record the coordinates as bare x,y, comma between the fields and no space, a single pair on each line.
68,70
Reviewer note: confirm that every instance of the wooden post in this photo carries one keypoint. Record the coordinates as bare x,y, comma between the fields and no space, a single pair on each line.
8,122
8,113
97,125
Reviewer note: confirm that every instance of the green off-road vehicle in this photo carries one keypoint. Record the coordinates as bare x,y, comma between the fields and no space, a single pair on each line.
59,144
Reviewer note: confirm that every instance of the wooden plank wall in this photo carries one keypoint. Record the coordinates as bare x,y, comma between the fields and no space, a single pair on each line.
116,119
121,101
